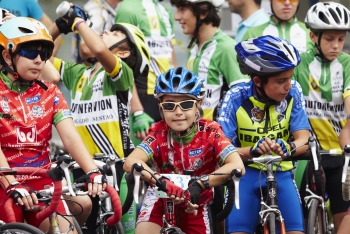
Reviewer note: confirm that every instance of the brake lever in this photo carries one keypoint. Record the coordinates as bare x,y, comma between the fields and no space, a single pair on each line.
346,163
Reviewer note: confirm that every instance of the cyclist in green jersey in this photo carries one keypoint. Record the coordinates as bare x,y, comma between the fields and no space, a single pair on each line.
212,55
284,24
325,80
157,24
101,94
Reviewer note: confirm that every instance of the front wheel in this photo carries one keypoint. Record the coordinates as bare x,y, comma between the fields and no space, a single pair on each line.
317,218
103,228
19,228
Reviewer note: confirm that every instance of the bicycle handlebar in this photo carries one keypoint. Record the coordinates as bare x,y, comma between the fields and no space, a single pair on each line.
42,215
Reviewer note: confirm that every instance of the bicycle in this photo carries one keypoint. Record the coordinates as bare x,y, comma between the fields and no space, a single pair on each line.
105,209
183,181
52,195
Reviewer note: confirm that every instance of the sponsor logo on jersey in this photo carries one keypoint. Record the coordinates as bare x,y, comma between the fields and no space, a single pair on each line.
6,116
26,135
37,111
197,164
257,114
170,207
83,108
149,140
281,107
171,158
32,99
5,106
56,100
195,152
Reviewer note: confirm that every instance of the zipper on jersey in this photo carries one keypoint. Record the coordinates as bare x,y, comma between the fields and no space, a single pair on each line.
19,98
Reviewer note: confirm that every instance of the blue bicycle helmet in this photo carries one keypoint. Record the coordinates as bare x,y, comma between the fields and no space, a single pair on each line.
179,81
266,55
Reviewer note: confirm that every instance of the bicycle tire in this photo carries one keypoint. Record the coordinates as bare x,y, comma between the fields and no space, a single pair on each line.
76,225
115,229
319,182
316,218
19,228
272,229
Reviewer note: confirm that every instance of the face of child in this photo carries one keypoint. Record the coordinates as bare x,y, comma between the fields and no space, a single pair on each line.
186,18
178,119
27,68
278,86
285,9
332,43
110,38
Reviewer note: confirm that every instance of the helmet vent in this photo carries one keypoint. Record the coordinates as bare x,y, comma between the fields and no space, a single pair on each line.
25,30
322,17
176,82
188,77
178,71
272,44
162,85
289,52
335,15
346,17
189,86
167,76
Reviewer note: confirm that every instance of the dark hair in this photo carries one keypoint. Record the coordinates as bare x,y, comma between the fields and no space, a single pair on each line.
264,79
257,2
198,9
127,46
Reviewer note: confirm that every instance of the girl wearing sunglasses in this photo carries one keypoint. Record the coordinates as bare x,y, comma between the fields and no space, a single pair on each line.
29,107
182,142
284,24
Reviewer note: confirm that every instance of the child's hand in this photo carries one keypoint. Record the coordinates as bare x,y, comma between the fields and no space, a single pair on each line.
191,208
8,16
281,148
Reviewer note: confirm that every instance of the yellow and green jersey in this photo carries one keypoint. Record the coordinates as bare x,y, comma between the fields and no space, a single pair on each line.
243,116
325,86
100,105
216,62
295,32
157,24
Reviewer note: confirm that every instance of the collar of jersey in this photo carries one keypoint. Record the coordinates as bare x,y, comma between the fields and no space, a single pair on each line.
8,82
287,23
217,32
185,138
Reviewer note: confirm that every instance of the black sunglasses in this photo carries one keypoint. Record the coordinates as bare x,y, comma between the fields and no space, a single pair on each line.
32,54
184,105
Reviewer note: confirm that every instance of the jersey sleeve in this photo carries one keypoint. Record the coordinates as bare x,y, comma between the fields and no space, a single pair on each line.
299,119
60,107
222,145
34,10
345,61
227,113
150,145
70,72
122,76
231,73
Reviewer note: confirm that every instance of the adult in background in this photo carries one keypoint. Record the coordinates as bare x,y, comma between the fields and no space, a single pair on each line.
251,13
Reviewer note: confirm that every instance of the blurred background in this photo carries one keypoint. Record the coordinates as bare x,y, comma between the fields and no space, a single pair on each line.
229,25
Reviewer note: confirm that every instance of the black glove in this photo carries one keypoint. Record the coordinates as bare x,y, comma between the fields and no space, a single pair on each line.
63,26
195,190
93,177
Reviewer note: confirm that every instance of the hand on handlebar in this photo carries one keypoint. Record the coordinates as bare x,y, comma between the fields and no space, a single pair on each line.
281,148
194,192
173,191
97,182
268,146
23,194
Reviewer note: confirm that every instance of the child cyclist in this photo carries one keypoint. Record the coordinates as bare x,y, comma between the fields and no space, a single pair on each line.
170,146
260,117
101,94
29,108
325,81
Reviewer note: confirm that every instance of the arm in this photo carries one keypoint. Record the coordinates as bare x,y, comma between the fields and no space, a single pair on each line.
5,180
173,57
345,132
75,146
50,73
48,22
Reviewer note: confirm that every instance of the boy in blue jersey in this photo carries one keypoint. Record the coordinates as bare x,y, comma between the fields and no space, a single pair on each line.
260,117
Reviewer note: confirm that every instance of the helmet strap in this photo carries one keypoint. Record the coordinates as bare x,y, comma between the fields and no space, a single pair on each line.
320,53
117,44
199,23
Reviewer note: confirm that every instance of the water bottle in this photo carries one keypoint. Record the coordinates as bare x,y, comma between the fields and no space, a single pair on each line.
129,218
346,186
64,10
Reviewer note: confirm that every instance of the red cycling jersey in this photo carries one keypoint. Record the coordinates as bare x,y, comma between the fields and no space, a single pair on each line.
203,150
26,120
